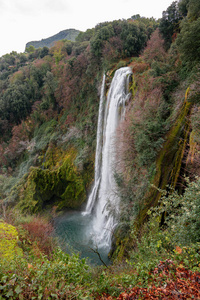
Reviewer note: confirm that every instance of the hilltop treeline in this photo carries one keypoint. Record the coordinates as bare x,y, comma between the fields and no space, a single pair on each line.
68,34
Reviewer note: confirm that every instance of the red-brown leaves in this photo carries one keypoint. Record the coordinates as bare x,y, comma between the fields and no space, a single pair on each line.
170,282
155,48
40,231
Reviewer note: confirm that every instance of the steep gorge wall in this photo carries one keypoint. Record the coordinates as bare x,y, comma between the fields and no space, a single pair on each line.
176,158
171,157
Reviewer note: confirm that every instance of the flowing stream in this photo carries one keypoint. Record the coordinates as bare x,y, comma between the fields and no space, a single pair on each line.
93,228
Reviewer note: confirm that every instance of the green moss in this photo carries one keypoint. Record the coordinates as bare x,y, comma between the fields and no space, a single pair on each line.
133,87
169,160
61,185
121,249
193,145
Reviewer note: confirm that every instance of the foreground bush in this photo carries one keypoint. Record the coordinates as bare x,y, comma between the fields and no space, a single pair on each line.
9,239
61,278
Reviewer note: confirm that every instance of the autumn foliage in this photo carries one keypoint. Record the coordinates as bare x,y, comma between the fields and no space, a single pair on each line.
40,232
155,48
168,282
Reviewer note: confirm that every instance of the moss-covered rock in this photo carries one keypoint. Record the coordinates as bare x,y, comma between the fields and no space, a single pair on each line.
61,184
170,158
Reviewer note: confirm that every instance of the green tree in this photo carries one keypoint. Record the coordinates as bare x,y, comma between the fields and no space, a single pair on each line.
44,51
85,36
183,7
193,9
103,34
188,42
58,56
30,49
169,23
38,73
16,102
134,37
182,213
23,58
50,85
68,47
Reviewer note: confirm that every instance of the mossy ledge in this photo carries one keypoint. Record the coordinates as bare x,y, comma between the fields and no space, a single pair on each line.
62,186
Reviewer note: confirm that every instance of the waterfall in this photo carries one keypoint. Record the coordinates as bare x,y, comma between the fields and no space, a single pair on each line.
103,200
98,154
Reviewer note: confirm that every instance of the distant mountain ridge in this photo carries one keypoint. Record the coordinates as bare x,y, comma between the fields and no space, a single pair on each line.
68,34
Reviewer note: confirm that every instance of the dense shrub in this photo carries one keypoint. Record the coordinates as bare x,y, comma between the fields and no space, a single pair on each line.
182,214
8,245
41,232
188,42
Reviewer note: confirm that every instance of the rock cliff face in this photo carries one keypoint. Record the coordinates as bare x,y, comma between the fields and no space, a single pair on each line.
68,34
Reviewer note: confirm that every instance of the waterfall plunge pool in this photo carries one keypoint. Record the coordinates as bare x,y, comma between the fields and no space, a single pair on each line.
74,233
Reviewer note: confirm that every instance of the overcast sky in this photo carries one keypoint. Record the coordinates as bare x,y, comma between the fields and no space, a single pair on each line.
22,21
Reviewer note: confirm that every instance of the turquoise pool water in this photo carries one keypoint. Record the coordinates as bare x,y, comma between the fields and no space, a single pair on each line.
74,233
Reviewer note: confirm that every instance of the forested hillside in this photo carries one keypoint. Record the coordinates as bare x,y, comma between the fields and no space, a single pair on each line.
49,100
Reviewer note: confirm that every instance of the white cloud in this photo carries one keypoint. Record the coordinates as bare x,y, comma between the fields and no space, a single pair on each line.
30,7
2,5
57,6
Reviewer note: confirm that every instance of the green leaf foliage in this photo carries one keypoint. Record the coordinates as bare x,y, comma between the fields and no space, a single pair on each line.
9,238
16,103
188,42
169,23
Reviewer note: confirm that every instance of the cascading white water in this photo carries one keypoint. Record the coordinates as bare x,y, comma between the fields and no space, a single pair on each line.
103,199
98,154
107,205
